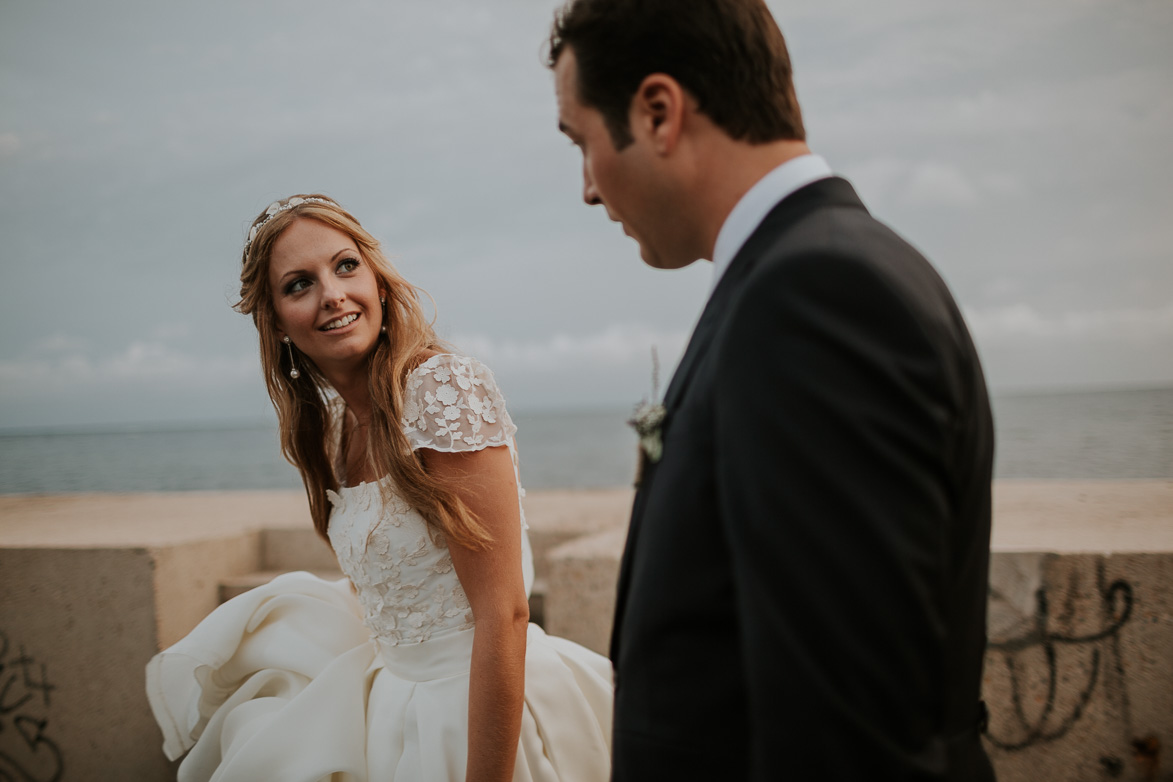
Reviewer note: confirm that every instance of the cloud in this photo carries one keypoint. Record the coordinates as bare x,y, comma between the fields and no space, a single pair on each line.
58,343
616,345
60,367
930,183
1009,324
934,183
608,367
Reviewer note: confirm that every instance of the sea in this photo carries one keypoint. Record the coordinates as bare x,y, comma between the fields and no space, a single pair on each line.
1112,435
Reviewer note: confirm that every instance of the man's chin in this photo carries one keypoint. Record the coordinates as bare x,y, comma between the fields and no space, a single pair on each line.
648,255
660,261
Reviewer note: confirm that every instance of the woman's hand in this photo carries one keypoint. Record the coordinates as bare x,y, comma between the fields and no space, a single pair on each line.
485,480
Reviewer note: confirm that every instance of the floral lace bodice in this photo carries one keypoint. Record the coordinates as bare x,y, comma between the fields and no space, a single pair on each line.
402,570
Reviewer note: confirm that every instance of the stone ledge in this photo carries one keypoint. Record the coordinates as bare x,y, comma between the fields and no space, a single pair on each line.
94,584
1083,516
234,585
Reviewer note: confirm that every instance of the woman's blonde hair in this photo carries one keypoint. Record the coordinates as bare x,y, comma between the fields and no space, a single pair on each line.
303,403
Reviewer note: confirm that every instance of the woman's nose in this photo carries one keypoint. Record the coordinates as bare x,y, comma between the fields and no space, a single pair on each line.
332,295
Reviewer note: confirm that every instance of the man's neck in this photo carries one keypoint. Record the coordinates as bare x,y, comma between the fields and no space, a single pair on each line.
727,171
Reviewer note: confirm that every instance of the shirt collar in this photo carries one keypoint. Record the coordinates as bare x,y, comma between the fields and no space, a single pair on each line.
753,207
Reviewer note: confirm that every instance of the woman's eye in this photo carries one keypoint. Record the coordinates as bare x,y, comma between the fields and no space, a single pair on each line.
297,285
348,265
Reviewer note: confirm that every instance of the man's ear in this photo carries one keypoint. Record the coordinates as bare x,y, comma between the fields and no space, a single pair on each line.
657,111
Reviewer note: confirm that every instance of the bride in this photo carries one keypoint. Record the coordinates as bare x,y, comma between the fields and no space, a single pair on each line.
422,665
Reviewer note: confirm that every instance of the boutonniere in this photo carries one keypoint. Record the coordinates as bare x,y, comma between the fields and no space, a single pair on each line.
648,422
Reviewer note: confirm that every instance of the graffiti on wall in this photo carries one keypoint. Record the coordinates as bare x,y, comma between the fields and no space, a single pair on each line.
27,753
1057,657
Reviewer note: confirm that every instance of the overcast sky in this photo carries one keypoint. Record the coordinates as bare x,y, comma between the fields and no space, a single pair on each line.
1024,147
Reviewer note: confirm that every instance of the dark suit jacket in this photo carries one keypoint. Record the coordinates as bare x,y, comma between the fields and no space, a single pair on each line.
803,592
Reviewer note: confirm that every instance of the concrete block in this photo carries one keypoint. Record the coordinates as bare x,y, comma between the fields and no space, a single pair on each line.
583,575
537,602
556,517
76,630
93,586
296,548
234,585
1079,670
188,576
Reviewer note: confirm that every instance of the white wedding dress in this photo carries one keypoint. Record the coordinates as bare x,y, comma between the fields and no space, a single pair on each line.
303,680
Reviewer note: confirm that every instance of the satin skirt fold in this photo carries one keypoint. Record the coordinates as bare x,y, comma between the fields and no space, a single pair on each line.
284,683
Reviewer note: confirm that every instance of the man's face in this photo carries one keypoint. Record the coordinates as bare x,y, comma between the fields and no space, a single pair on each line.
624,182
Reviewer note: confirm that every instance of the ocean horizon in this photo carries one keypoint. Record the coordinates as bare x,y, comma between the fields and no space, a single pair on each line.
1077,435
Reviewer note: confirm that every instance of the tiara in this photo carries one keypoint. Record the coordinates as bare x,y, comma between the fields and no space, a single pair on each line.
277,208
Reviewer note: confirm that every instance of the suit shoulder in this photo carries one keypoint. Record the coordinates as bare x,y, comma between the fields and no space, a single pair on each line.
838,247
841,234
839,264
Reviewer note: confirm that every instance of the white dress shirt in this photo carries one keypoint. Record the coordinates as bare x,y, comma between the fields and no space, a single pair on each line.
753,207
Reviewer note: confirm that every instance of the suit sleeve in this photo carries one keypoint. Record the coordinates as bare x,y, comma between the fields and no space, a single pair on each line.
830,410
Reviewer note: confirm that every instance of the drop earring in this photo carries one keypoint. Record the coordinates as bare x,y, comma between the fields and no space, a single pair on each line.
383,302
293,372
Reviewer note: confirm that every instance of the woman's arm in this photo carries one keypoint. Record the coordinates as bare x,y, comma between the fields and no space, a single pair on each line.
492,580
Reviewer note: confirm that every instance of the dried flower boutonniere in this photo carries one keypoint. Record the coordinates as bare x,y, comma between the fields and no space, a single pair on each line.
648,421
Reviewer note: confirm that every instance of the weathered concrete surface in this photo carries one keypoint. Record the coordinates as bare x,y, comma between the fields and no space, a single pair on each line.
297,547
1029,516
556,517
144,520
1079,671
1083,516
1063,609
93,585
580,593
77,626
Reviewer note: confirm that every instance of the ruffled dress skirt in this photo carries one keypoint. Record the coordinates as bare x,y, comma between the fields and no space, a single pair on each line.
284,683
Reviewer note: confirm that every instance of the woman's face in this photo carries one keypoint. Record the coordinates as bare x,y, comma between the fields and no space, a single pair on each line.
325,296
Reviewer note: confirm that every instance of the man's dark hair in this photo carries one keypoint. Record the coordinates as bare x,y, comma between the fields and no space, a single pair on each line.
728,54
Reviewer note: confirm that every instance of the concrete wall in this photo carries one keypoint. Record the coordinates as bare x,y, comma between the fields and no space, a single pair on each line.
76,629
1079,673
580,597
92,586
1079,670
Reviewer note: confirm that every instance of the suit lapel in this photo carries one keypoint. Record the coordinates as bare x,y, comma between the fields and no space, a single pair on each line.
702,335
826,192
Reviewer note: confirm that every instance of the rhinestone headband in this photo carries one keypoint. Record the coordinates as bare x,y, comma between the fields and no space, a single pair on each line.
277,208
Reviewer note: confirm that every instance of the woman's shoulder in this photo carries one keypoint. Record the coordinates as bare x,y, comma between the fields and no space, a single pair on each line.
452,403
442,364
427,354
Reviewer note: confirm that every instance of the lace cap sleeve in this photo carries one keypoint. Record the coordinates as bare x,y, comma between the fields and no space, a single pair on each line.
452,404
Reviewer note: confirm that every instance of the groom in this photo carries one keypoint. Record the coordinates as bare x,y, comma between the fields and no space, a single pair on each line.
803,592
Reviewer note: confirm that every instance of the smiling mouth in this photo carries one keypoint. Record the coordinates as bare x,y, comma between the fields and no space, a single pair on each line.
345,320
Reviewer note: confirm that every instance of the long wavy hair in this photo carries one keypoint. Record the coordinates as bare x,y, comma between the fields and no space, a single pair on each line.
304,404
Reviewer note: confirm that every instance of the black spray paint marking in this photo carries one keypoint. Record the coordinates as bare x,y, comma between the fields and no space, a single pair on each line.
1117,604
26,753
